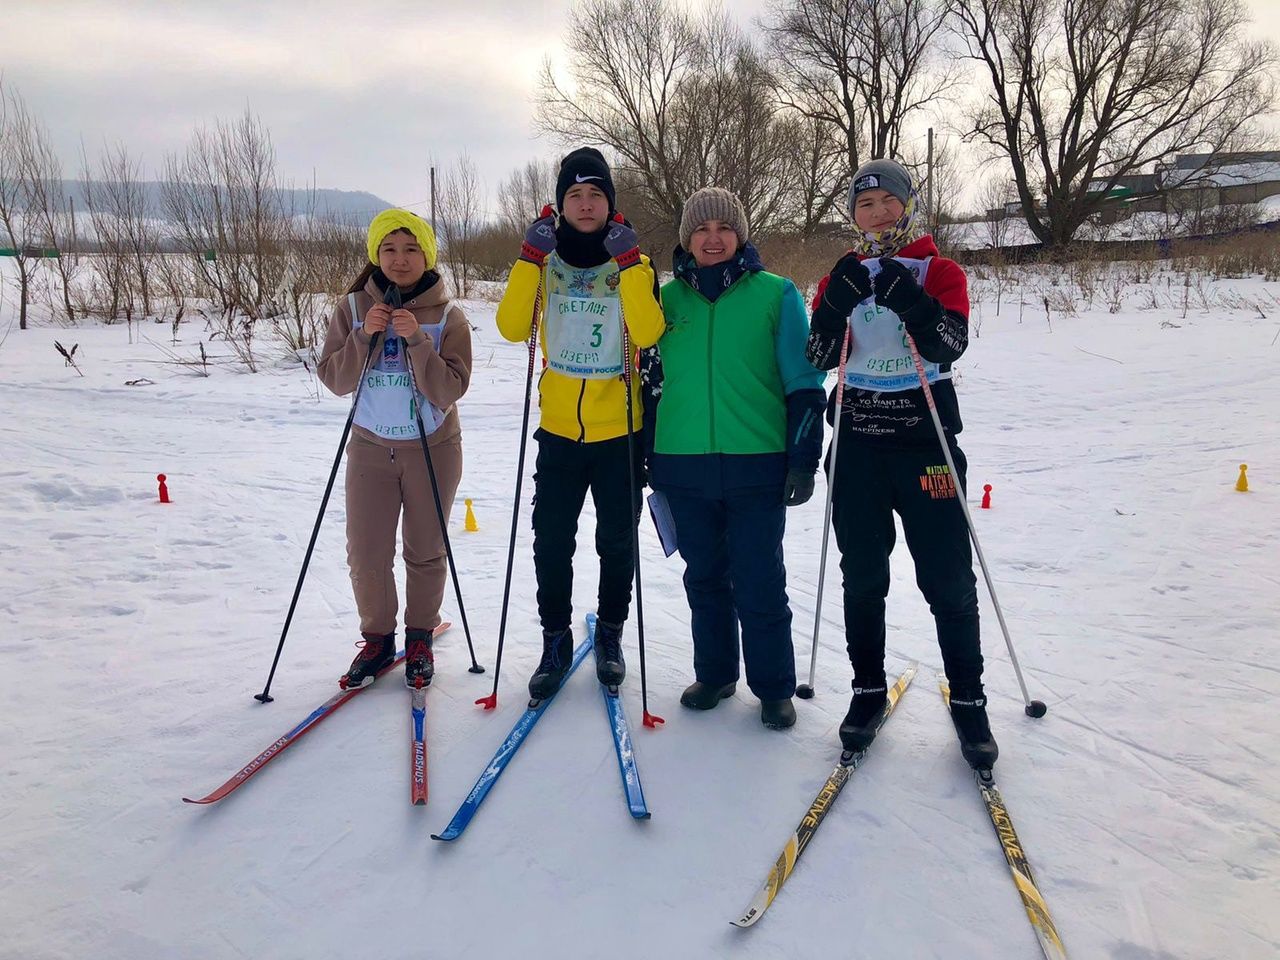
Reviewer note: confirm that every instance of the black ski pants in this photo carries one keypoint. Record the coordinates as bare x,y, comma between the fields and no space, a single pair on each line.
872,482
565,470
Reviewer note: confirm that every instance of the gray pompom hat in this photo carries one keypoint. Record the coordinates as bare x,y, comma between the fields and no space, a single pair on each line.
713,203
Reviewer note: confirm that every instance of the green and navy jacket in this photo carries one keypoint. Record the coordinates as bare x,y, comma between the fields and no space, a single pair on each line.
730,399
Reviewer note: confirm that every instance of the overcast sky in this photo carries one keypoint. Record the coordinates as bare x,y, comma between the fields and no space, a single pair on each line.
366,94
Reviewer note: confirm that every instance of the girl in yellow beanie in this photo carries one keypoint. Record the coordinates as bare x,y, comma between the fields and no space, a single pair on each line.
425,341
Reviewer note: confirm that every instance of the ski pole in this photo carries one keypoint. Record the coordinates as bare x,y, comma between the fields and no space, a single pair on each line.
491,701
265,695
1032,708
394,298
650,720
805,690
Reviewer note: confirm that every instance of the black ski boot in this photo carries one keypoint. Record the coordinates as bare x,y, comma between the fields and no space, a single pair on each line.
858,728
969,714
419,661
376,654
611,669
704,696
557,656
777,714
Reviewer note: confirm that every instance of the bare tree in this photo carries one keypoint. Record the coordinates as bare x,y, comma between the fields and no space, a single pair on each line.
128,237
18,229
522,195
47,203
461,216
994,197
860,68
321,256
682,103
224,202
1083,93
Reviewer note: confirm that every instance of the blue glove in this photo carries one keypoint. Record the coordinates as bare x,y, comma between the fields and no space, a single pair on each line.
621,243
540,238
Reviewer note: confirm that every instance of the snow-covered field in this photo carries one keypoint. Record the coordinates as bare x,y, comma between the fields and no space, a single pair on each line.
1141,588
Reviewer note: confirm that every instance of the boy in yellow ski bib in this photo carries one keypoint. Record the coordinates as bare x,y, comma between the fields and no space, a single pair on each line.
582,274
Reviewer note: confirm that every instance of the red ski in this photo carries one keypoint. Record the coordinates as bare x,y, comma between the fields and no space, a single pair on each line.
241,776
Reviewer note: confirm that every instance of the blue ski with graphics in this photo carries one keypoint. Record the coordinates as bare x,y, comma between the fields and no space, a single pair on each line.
621,741
505,752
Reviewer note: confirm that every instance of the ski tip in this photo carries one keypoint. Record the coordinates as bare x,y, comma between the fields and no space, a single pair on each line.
641,814
444,837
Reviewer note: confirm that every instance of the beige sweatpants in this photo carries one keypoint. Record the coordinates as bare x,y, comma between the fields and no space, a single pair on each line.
380,480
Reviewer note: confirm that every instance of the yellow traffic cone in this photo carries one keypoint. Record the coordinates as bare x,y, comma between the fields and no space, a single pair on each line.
471,526
1242,484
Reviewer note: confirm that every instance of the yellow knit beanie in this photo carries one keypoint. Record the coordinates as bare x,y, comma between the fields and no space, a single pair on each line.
389,221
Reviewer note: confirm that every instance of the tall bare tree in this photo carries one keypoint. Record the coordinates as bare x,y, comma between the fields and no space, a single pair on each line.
1082,93
18,228
128,236
224,201
461,216
522,195
863,69
680,102
47,201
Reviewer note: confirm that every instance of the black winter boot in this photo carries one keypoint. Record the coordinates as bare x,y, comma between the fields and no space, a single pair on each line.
419,661
376,654
858,728
611,669
969,714
705,696
557,656
777,714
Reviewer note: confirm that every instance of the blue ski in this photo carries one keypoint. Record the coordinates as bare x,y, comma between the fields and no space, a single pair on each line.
621,741
505,752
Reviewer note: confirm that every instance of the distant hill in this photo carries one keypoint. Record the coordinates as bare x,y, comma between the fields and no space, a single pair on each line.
359,204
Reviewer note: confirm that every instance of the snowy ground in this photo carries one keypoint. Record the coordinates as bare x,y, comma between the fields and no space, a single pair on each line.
1140,587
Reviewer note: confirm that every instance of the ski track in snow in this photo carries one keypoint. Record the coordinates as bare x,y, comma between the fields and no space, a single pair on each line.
1140,588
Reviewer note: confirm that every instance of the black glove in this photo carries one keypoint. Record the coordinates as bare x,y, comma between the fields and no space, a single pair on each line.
798,488
897,288
848,285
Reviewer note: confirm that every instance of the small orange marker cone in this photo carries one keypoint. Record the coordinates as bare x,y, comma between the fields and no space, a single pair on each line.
1242,484
986,496
471,526
164,489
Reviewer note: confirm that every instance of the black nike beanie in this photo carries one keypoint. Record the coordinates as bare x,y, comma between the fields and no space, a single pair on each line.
584,165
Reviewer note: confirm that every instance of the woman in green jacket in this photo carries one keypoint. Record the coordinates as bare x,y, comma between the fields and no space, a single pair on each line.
737,416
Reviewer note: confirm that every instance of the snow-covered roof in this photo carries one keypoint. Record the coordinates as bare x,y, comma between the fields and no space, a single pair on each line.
1228,175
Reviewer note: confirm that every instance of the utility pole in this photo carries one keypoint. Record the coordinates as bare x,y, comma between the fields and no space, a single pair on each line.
433,199
928,202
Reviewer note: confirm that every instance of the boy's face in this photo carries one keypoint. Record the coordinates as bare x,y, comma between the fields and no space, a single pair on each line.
401,258
585,207
712,242
876,210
